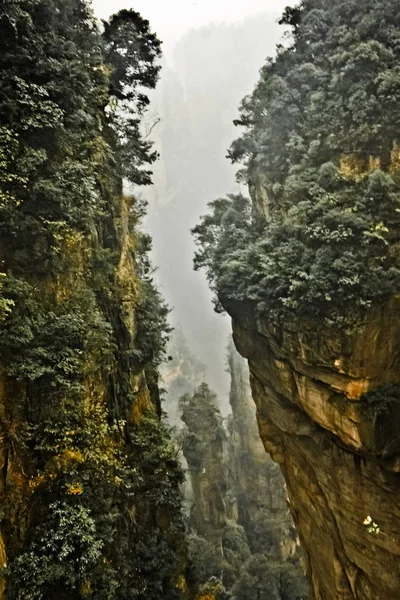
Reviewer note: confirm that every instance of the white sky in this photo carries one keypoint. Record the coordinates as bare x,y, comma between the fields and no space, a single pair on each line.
170,19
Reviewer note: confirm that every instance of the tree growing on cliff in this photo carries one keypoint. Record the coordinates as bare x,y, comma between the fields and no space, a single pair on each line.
132,50
321,157
204,425
90,503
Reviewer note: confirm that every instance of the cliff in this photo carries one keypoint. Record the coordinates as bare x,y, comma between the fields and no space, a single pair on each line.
241,532
255,481
86,459
339,454
90,500
203,444
309,270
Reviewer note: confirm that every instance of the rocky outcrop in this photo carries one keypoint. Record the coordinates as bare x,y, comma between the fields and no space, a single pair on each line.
255,481
119,385
203,445
338,451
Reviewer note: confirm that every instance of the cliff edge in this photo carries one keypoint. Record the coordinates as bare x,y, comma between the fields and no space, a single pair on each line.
339,454
309,270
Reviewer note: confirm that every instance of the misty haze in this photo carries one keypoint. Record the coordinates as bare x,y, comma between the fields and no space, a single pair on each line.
199,300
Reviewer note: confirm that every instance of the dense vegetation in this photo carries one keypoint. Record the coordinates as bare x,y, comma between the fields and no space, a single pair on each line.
230,557
203,420
90,478
320,155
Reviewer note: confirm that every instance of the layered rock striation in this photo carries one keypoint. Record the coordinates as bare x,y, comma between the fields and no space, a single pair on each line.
338,451
256,486
309,271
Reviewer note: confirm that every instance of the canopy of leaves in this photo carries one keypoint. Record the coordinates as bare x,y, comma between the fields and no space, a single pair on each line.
132,51
332,92
320,155
204,426
266,580
92,506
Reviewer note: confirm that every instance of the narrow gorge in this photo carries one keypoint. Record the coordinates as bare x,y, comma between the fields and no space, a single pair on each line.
242,536
123,475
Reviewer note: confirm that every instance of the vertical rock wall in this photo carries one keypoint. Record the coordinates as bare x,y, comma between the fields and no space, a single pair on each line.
255,480
339,453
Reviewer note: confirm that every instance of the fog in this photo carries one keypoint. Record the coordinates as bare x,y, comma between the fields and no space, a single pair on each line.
171,20
213,55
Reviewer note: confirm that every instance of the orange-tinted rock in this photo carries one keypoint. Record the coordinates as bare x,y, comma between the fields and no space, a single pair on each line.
341,460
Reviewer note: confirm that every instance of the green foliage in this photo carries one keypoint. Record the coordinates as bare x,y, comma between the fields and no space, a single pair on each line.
132,51
6,304
129,43
213,590
97,536
205,560
203,420
152,312
201,409
245,574
265,533
49,100
158,472
320,144
329,93
66,551
144,555
236,554
234,539
92,506
267,580
329,256
153,329
50,343
221,237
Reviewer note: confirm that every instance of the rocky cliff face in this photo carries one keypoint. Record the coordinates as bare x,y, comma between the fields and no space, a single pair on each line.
338,452
27,471
203,450
255,481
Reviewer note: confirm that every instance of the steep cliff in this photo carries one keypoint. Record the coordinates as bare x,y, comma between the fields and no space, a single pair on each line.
90,501
255,481
203,443
241,532
339,455
309,270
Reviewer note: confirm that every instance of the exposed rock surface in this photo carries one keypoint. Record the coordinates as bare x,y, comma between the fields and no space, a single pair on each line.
256,483
203,448
340,456
18,465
